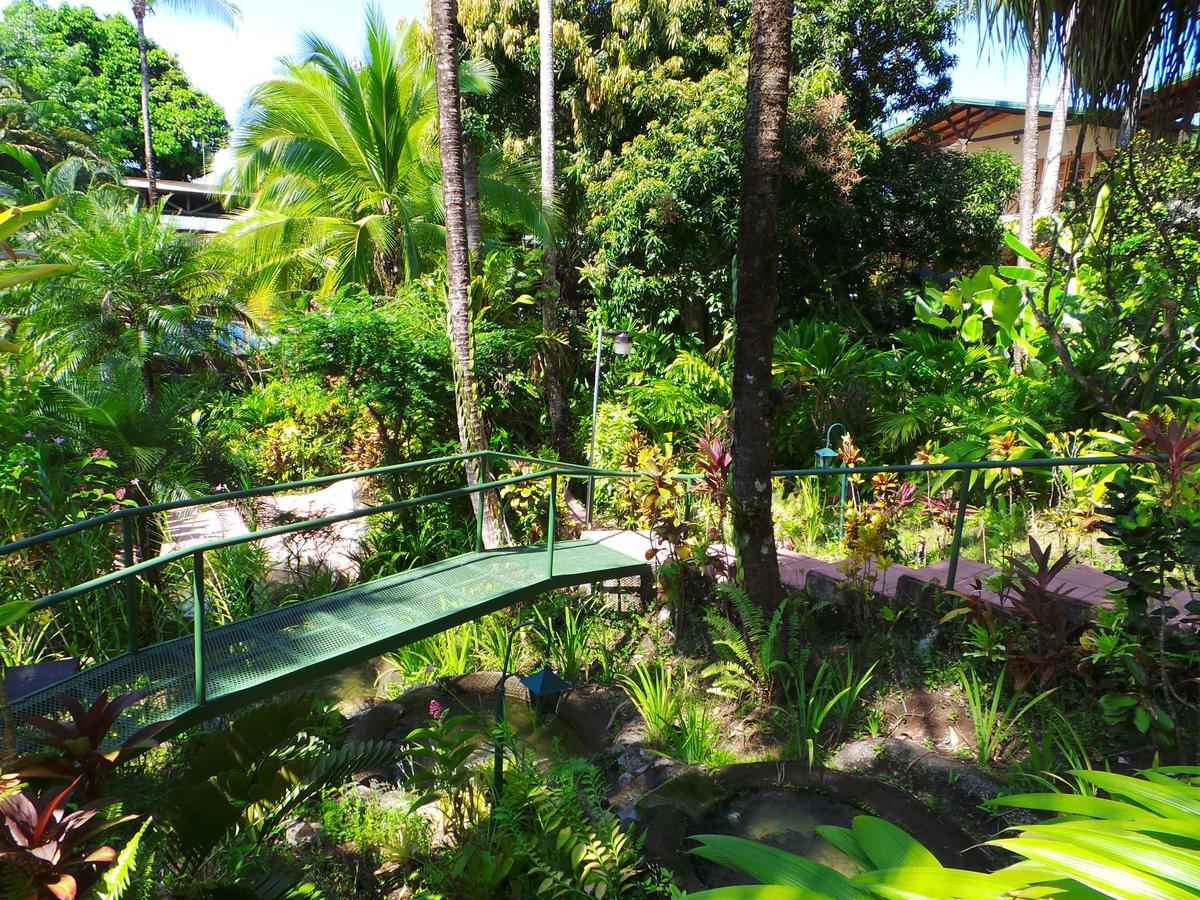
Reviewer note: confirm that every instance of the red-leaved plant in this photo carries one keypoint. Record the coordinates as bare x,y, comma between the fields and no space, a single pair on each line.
41,840
75,747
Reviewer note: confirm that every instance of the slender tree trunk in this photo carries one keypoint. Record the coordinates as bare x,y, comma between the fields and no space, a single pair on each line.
552,351
139,15
757,296
1133,105
474,214
1029,139
1048,197
471,432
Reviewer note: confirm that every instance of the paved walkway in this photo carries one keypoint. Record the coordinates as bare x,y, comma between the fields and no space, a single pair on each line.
1082,585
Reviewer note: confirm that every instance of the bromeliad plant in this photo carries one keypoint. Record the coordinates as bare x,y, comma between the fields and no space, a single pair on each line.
75,748
1141,840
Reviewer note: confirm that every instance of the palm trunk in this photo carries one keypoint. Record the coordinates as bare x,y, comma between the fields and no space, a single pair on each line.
1029,149
473,212
1048,196
1133,104
471,433
552,355
757,296
139,15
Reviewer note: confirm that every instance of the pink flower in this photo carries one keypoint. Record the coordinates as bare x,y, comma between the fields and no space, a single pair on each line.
119,493
135,482
99,453
436,709
60,440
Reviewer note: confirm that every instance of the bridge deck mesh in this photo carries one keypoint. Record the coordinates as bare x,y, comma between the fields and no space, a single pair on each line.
270,646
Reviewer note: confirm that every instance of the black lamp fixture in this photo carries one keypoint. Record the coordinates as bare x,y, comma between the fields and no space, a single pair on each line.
545,688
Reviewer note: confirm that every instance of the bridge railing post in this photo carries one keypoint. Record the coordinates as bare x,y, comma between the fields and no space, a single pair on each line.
198,603
550,525
130,586
964,492
479,502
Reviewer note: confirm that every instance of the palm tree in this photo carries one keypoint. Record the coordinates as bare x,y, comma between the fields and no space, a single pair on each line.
757,296
552,357
1021,24
471,431
339,163
137,293
1048,193
223,11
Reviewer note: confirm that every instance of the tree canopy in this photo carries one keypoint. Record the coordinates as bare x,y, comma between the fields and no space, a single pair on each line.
84,68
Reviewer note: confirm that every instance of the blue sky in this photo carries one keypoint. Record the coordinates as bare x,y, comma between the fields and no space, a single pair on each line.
227,63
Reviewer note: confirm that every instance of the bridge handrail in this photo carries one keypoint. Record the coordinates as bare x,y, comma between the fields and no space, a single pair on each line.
208,499
558,469
158,562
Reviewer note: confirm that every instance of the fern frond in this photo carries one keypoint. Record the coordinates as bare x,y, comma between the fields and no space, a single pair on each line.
119,875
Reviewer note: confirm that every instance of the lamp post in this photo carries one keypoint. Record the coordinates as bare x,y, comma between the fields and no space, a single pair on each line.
825,457
622,344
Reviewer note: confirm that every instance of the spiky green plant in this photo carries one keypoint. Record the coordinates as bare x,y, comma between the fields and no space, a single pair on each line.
750,656
654,696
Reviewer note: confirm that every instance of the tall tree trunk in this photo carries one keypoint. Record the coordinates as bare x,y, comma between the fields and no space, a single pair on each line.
552,350
471,432
1048,195
757,296
1133,104
473,211
139,15
1029,139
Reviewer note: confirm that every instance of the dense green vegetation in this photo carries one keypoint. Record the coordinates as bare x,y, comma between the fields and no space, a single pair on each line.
320,334
71,85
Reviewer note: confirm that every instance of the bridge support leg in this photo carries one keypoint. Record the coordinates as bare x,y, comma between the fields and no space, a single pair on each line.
964,492
130,586
198,603
550,526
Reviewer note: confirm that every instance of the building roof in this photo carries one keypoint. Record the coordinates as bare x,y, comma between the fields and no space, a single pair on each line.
960,118
168,186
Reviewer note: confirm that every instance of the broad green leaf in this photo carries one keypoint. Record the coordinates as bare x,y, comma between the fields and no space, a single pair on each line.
890,846
1073,805
15,218
773,866
1021,250
14,611
11,276
1006,306
757,892
844,840
1094,870
1020,273
1166,800
972,329
924,882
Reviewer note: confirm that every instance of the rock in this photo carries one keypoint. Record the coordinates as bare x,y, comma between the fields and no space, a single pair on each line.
302,833
374,722
433,814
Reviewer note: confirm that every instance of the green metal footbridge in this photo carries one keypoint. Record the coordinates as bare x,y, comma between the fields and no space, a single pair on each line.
217,669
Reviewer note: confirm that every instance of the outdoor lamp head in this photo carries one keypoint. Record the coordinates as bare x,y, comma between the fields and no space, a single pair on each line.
622,343
825,457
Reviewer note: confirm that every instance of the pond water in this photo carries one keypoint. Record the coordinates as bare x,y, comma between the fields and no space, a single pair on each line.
552,737
783,818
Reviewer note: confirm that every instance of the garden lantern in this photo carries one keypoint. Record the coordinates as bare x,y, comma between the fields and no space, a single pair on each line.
825,458
545,688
